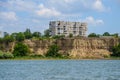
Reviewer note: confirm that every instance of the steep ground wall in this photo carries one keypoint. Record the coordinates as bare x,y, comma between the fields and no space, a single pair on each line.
88,47
74,47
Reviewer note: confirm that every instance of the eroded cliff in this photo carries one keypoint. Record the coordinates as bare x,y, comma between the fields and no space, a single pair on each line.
74,47
89,47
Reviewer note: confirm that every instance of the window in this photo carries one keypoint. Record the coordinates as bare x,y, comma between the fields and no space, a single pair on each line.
64,27
58,28
80,27
58,32
80,32
74,28
59,23
74,32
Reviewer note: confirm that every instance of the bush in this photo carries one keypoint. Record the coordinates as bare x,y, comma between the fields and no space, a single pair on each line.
1,40
93,35
53,51
70,35
116,51
7,55
21,49
8,39
1,55
58,36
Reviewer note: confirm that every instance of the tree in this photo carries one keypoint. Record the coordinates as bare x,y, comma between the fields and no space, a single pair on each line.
106,34
116,51
20,37
6,34
70,35
8,38
115,35
53,51
92,35
28,34
47,33
14,35
36,34
21,49
1,40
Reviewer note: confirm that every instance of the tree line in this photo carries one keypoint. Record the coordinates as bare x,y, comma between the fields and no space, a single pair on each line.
21,36
104,34
27,34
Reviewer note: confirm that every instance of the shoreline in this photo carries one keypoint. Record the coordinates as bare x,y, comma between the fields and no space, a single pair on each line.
57,58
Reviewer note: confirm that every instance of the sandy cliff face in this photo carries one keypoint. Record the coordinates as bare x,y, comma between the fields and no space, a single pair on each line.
38,46
76,48
88,47
92,47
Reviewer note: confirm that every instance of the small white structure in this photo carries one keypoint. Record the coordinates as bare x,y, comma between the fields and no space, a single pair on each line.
67,28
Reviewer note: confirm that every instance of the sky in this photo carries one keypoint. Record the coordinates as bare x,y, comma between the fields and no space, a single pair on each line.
101,15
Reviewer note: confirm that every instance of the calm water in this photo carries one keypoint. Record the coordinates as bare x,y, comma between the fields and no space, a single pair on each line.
60,70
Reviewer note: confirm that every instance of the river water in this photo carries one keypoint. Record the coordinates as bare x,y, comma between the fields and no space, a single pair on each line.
59,69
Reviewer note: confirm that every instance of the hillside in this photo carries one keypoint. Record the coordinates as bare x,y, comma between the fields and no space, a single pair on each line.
74,47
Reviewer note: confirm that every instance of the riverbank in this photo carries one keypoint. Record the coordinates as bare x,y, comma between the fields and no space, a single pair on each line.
74,47
59,58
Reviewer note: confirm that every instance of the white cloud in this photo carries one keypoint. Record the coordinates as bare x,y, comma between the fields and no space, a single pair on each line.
19,5
8,16
35,21
92,21
1,27
79,5
69,1
47,12
98,5
99,22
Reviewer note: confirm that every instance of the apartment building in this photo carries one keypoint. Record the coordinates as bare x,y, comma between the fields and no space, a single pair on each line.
67,28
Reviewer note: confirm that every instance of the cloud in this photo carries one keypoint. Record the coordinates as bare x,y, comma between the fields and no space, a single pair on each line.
35,21
69,1
19,5
47,12
74,6
98,5
92,21
8,16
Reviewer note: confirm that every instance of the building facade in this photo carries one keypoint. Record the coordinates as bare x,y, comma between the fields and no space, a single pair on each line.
67,28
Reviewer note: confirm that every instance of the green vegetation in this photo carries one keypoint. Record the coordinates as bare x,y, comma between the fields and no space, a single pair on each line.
70,35
116,51
53,51
1,40
6,55
20,37
28,34
8,39
106,34
58,37
93,35
36,34
21,49
115,35
47,33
